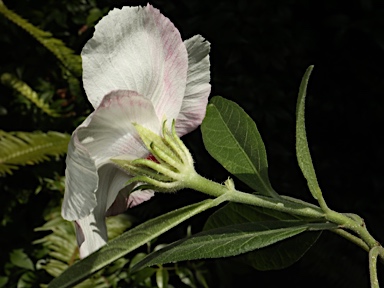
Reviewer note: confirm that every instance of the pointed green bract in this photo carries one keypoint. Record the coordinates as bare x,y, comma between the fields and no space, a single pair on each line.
302,149
149,137
128,242
232,138
279,256
226,241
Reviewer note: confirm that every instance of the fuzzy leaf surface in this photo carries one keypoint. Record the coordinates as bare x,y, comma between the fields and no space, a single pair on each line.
232,138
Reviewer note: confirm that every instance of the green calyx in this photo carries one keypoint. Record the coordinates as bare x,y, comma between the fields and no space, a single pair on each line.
174,162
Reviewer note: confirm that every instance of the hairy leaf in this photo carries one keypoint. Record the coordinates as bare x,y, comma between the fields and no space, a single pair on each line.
232,138
226,241
278,256
28,148
302,149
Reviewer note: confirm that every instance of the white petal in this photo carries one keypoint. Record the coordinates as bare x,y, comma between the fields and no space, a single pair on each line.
137,48
81,181
91,234
106,133
91,231
112,180
110,131
198,88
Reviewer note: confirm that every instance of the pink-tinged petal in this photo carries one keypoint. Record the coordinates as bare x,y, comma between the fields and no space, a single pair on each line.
81,181
106,133
124,200
110,131
198,88
139,197
138,49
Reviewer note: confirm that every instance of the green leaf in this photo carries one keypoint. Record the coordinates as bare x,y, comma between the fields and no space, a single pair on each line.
185,276
26,91
3,281
20,259
128,242
29,148
302,149
65,55
162,278
232,138
277,256
226,241
27,280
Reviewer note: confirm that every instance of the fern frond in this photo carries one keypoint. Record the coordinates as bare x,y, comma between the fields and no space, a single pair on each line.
63,251
28,148
26,91
65,55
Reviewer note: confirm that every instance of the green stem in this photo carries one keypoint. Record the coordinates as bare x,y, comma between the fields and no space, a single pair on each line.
352,238
373,253
351,224
199,183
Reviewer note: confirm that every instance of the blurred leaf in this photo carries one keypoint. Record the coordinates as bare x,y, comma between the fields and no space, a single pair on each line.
28,279
201,278
277,256
94,15
162,278
302,149
29,148
65,55
186,276
128,242
3,281
20,259
232,138
227,241
26,91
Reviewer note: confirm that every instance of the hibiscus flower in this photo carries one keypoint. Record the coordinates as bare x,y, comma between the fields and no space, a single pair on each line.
136,69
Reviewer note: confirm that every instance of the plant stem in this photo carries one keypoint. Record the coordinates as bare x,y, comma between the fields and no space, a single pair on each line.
373,253
201,184
353,225
352,238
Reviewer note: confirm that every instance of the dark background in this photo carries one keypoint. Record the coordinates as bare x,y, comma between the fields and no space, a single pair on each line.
260,50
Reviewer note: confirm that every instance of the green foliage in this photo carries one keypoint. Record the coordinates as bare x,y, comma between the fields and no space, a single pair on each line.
29,148
23,89
302,149
63,251
227,241
20,259
127,242
278,256
65,55
232,138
